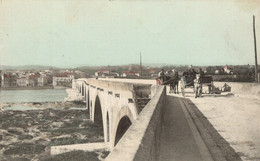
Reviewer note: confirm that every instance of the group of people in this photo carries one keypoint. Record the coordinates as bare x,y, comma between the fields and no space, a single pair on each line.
174,73
171,77
170,73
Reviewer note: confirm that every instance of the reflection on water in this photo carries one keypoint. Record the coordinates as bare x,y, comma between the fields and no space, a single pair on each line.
20,108
43,95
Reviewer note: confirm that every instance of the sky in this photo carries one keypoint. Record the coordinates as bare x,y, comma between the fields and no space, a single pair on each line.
71,33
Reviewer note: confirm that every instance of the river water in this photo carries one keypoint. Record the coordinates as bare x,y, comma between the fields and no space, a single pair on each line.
43,95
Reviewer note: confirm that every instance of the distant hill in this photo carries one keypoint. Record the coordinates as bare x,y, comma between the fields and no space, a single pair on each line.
27,67
125,66
90,69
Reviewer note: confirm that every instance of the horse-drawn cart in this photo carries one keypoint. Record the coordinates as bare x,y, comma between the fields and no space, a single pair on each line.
186,81
196,83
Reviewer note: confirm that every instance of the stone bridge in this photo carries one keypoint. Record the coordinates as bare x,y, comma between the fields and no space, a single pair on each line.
113,105
141,122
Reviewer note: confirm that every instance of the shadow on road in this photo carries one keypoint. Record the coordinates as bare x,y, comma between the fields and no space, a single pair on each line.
214,141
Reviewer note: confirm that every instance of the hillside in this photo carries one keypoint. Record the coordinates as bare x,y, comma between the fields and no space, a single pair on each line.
27,67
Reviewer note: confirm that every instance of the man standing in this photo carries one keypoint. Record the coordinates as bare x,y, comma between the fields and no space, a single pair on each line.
162,75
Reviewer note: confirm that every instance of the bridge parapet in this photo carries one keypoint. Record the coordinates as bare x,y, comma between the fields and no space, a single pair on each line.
112,85
141,140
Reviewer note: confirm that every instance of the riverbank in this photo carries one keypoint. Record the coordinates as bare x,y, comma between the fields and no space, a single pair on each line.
33,87
28,135
27,88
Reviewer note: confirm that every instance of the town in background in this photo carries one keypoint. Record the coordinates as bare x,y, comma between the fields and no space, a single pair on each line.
50,77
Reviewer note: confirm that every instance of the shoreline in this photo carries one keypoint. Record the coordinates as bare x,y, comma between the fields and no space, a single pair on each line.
27,88
33,88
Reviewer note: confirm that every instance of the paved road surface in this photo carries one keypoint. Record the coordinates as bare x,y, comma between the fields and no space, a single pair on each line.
236,119
180,138
231,120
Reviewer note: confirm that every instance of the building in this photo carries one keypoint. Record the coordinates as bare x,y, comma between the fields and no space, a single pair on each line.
22,82
130,74
106,74
9,80
42,81
102,73
32,80
113,75
63,79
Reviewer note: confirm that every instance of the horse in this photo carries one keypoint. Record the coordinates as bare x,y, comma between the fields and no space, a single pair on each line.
173,82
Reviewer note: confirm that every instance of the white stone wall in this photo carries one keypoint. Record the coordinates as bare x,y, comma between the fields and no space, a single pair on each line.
113,100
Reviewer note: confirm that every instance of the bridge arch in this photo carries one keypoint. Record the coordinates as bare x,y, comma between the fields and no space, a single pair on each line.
123,121
123,125
98,117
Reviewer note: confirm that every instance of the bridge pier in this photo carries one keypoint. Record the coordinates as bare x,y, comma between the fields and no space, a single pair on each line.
87,97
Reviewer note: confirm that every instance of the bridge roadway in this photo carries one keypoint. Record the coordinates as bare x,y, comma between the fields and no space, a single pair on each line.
180,138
